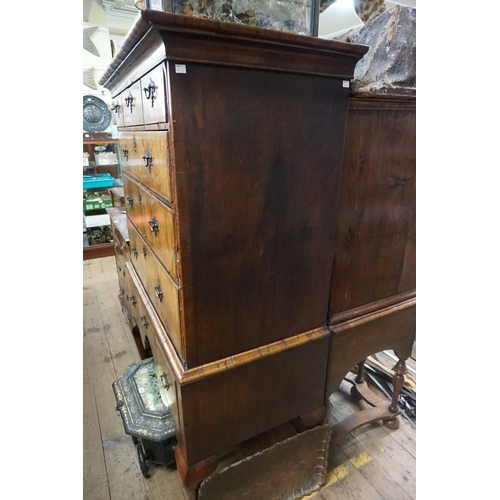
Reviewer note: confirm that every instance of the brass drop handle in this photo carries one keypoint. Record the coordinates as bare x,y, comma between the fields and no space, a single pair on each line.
130,200
123,246
139,197
120,269
125,152
132,299
153,225
148,160
135,253
150,91
158,291
164,382
121,291
115,108
144,251
129,101
144,320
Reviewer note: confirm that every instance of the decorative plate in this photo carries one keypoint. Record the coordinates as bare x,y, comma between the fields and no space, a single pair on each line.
96,115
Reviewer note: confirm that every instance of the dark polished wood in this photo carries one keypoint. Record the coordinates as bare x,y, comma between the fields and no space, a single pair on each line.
220,411
195,39
310,419
235,284
354,340
255,227
373,297
376,225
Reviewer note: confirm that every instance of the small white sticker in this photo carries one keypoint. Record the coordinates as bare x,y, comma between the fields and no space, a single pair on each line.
345,84
141,390
180,68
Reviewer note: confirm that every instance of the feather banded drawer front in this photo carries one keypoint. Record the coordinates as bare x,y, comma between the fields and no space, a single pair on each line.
231,140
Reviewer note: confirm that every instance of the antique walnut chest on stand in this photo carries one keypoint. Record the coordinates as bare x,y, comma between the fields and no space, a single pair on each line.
232,141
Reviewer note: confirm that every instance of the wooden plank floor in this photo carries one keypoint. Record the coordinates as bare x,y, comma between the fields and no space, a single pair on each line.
373,463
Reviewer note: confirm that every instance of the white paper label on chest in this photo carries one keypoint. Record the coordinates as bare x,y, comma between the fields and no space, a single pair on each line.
180,68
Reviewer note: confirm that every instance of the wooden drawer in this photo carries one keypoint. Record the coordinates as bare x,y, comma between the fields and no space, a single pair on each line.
134,204
124,284
131,160
154,96
120,258
131,295
138,313
155,221
160,289
154,150
120,243
120,270
132,105
166,378
148,161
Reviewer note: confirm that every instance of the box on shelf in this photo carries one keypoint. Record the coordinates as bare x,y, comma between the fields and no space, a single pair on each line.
97,220
97,201
106,158
98,181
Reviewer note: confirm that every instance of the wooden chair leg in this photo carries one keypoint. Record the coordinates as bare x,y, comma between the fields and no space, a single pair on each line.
360,376
398,380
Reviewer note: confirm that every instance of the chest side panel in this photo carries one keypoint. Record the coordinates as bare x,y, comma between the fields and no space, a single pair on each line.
257,162
375,240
